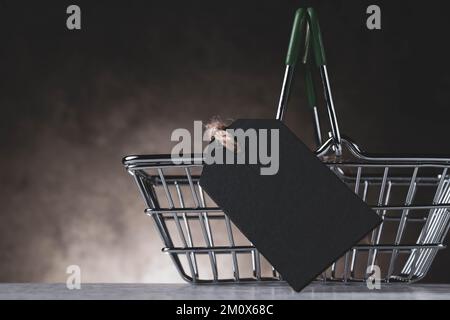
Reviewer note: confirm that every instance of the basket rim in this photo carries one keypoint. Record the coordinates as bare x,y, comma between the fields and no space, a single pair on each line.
325,152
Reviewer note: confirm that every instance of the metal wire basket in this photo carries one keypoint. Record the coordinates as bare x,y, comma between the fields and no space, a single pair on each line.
411,195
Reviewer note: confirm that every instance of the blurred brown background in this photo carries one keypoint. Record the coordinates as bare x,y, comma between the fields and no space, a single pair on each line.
73,103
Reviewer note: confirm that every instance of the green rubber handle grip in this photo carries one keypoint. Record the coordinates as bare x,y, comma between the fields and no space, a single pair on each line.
316,38
295,41
309,85
307,44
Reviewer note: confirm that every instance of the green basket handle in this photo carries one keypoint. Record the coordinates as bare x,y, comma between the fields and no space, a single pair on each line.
309,86
311,35
306,34
316,38
295,40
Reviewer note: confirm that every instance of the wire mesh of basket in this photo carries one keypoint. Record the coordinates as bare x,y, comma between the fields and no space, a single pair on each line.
410,194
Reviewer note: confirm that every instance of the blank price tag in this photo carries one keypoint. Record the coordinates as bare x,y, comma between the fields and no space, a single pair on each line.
302,219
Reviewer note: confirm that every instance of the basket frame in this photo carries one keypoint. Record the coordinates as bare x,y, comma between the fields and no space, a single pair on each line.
436,221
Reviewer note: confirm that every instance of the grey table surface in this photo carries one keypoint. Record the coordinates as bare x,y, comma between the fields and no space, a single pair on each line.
232,292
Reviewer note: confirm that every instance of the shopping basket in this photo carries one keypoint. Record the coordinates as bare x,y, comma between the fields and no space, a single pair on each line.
410,194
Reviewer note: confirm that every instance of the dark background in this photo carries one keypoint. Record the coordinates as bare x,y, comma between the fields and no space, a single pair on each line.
73,103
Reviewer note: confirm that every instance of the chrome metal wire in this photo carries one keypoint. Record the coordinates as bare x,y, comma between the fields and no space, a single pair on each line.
411,195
